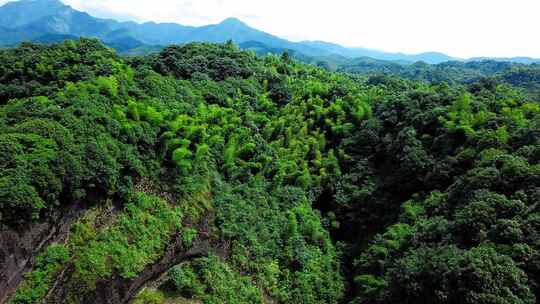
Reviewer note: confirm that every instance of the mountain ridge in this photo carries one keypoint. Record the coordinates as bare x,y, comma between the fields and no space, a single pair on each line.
31,20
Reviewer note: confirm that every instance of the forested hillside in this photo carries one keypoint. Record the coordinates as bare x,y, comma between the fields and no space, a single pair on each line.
206,174
524,77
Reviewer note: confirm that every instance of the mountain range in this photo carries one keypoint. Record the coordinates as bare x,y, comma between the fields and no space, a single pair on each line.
49,21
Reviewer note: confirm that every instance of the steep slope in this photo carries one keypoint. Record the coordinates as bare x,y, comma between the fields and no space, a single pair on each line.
206,174
20,13
68,21
125,145
31,19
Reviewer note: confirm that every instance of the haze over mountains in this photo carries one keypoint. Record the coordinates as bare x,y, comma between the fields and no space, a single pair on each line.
51,21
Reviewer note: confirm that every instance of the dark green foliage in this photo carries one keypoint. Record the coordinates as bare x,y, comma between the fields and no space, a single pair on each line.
39,280
33,70
449,275
324,187
458,159
186,62
136,239
520,75
67,145
526,78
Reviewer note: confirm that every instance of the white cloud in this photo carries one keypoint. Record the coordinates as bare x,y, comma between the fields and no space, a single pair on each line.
462,28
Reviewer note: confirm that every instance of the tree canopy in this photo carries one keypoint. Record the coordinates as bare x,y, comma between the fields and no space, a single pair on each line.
312,186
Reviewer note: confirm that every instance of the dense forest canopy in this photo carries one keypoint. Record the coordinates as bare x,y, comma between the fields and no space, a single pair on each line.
263,180
524,77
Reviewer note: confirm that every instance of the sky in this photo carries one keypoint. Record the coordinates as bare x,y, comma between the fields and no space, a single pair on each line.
460,28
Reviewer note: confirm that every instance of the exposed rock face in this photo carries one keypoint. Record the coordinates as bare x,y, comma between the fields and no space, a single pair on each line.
18,251
118,290
20,246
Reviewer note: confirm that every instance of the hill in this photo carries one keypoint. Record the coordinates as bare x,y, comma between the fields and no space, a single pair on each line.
31,20
206,174
41,20
519,75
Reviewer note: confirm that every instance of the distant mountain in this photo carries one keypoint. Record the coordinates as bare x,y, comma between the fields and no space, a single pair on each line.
47,21
153,33
430,57
518,74
24,12
524,60
50,21
33,19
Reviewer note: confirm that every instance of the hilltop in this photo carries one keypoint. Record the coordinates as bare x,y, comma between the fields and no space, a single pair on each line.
52,21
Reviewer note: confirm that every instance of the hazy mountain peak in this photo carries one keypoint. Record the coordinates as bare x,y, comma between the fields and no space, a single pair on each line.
37,20
233,21
40,3
23,12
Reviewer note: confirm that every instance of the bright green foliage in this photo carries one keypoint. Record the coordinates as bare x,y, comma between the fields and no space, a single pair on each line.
188,235
315,187
39,280
370,286
303,259
412,210
136,239
34,70
147,296
67,144
181,157
213,282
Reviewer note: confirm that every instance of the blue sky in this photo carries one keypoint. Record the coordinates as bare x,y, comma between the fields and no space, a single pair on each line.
461,28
